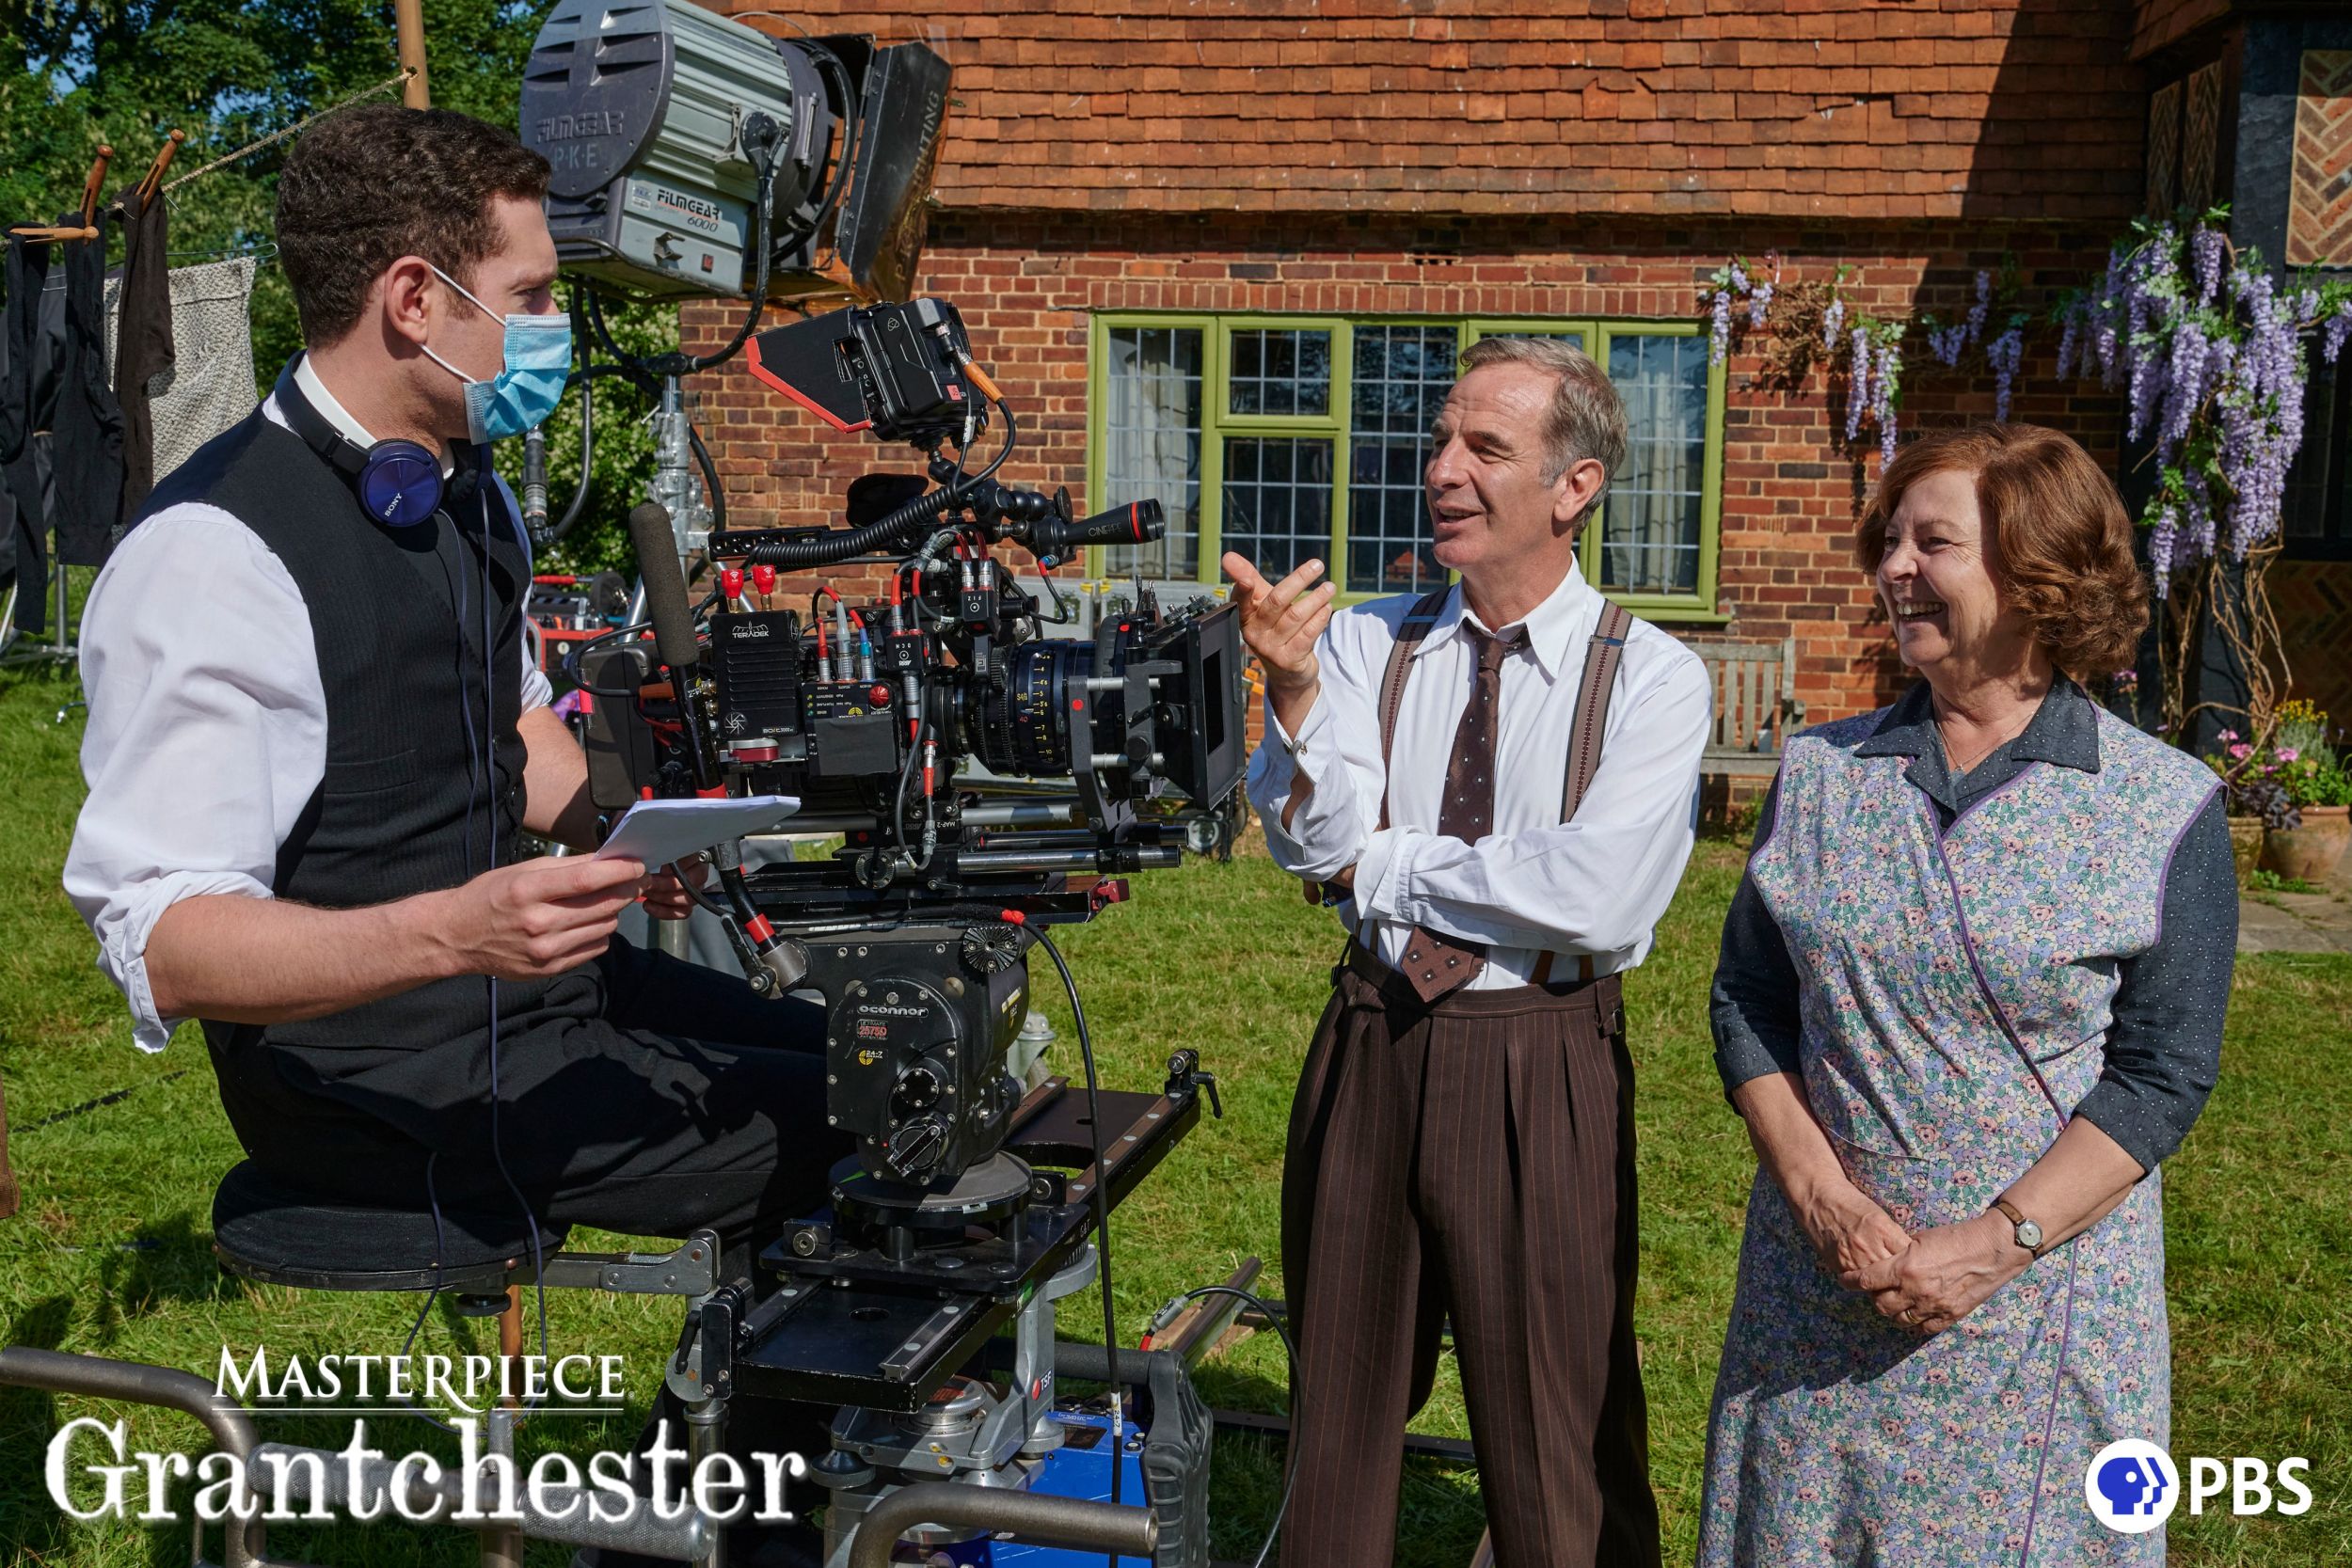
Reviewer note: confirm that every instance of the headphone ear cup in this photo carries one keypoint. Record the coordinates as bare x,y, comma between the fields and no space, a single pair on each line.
400,483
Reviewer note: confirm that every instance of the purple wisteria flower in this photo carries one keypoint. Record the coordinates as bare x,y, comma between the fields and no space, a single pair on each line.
2200,517
1857,383
1885,378
2185,383
2148,378
2070,338
2206,250
1976,311
2161,535
1759,303
1945,343
1719,327
2333,331
1832,318
2002,353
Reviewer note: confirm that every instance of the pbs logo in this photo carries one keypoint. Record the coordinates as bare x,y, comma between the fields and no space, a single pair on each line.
2131,1486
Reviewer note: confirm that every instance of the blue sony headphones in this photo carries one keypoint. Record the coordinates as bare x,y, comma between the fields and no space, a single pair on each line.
397,482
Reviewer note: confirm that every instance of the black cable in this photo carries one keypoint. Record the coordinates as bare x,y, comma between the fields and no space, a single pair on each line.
718,496
852,123
586,377
624,363
703,901
489,775
487,762
1101,1210
1290,1464
906,772
1013,435
581,650
758,303
433,1201
925,509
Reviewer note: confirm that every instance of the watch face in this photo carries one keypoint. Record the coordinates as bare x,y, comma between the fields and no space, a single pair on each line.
2029,1235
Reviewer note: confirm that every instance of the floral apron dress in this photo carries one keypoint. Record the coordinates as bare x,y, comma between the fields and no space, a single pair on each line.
1955,995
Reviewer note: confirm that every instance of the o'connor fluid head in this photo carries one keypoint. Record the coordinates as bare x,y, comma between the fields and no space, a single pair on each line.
659,120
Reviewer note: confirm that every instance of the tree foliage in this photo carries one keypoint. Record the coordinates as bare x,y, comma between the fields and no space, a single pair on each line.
78,73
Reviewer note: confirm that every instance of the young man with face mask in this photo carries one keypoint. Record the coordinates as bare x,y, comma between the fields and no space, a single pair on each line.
316,734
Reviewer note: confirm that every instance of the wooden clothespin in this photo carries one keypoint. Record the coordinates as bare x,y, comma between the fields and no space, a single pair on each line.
89,208
154,181
90,189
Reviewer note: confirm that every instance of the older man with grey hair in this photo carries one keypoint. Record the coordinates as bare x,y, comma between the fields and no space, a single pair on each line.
1495,785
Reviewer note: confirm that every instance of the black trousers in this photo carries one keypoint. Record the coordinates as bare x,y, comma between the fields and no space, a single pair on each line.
1474,1158
651,1096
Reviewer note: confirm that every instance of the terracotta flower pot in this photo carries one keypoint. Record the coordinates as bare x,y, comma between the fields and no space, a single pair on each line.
2309,853
2246,845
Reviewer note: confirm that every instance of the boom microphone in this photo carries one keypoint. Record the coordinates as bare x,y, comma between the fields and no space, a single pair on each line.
665,586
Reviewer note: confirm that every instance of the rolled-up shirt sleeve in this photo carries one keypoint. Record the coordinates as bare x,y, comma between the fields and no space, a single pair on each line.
1595,884
1752,1006
207,734
2164,1047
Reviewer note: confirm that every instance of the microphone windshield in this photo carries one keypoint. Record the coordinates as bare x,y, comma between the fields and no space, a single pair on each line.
665,585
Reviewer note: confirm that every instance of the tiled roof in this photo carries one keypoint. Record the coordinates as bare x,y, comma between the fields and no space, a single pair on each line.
1879,108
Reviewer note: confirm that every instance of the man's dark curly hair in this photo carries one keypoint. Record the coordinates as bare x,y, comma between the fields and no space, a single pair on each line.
371,183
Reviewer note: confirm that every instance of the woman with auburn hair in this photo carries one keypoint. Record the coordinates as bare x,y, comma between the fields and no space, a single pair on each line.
1970,996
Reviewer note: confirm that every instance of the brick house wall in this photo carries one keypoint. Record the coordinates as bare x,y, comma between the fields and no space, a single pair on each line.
1533,159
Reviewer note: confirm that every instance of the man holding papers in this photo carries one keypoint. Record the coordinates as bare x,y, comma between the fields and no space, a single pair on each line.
316,737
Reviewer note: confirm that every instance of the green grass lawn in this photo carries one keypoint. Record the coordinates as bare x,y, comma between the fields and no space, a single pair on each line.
111,1254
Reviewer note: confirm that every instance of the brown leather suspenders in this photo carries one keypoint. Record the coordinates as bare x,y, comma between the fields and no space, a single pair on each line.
1602,655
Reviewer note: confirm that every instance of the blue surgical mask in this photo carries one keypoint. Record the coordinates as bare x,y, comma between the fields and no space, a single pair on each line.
538,359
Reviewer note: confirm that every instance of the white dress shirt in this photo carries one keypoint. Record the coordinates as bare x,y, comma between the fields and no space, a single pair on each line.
1591,887
207,729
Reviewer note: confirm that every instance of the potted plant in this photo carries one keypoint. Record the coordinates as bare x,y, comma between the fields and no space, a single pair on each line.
2255,801
2302,761
2257,807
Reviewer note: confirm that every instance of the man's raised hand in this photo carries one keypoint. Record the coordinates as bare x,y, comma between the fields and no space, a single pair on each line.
1280,622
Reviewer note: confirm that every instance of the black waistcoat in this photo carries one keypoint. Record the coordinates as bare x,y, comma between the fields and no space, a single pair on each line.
422,787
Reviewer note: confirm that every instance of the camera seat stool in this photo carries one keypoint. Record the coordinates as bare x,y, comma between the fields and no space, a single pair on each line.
267,1230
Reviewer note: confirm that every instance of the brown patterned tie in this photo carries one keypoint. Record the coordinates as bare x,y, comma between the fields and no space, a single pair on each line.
1437,965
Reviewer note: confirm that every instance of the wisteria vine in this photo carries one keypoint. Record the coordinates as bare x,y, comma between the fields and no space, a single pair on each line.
2204,341
2208,344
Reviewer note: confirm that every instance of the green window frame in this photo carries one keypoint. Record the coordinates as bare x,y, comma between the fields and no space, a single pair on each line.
1281,455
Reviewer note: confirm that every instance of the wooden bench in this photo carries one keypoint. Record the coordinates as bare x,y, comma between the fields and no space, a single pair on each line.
1755,706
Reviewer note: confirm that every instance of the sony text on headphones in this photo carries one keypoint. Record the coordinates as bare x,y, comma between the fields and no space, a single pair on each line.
397,482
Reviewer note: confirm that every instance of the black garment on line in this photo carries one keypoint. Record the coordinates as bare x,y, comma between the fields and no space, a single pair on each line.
67,478
143,345
34,330
601,1119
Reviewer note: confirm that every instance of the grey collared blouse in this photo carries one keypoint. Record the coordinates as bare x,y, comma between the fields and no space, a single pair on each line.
2164,1048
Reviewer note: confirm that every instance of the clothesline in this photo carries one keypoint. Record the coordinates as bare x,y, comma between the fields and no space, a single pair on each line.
252,147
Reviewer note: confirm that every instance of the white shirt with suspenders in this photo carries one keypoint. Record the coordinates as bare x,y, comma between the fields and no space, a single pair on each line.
1552,898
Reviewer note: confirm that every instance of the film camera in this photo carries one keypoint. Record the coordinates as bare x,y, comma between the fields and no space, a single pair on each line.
867,712
987,781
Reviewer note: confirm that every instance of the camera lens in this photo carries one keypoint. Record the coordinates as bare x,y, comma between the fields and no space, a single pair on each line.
1023,728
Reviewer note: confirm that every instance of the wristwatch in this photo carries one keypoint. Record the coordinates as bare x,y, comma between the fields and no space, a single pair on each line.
2028,1234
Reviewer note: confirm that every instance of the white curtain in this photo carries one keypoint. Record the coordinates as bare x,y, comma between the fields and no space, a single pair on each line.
1153,423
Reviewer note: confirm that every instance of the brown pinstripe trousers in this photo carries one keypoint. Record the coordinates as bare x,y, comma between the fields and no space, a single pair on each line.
1473,1158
